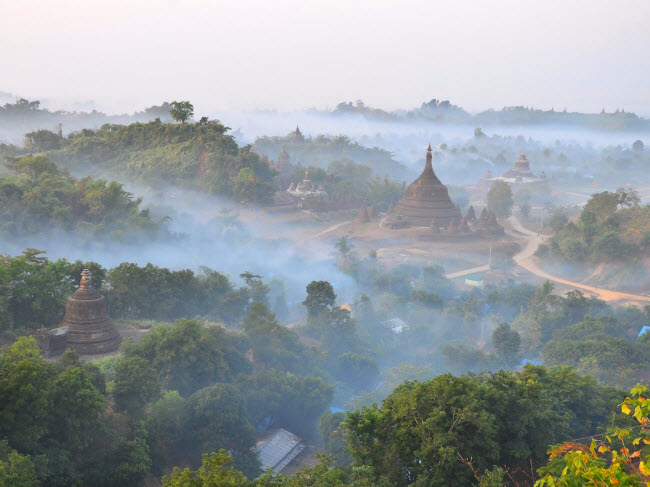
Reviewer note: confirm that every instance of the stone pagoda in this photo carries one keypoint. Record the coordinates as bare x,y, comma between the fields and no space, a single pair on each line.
425,199
90,330
521,169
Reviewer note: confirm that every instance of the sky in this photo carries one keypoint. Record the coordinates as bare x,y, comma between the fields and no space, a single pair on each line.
294,54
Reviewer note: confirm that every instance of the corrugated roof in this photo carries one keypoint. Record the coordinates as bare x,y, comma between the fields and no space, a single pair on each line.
278,449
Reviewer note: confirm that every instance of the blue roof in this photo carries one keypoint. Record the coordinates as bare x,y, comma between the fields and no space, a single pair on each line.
525,361
644,330
336,410
474,277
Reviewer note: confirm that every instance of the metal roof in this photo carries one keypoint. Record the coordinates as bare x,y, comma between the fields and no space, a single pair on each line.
278,448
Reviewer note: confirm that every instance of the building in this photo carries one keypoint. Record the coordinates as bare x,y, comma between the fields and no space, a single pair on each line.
283,166
305,189
426,199
474,280
277,448
519,174
90,330
397,325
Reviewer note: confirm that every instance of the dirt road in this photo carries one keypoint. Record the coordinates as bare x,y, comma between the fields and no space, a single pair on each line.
524,259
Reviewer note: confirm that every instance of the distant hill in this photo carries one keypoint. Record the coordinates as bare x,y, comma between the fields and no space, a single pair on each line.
321,151
193,155
445,112
22,116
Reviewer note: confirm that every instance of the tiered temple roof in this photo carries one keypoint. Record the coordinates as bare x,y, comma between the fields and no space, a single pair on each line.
521,169
427,198
90,330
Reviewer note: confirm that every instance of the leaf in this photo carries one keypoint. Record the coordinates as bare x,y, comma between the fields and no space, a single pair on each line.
644,469
636,454
626,409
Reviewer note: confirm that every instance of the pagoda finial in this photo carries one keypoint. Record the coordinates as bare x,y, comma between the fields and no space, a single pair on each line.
429,164
86,279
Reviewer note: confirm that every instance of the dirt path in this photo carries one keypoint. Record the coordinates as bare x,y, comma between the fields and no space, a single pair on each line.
473,270
524,259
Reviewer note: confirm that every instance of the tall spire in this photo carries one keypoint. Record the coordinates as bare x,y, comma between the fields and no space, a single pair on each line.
429,164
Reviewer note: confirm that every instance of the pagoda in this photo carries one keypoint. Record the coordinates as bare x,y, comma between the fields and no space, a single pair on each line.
90,330
427,199
521,169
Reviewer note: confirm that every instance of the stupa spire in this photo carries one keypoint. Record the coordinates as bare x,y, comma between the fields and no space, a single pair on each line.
429,163
86,279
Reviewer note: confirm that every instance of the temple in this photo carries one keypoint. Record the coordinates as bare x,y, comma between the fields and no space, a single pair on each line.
425,199
519,174
306,188
90,330
296,135
283,166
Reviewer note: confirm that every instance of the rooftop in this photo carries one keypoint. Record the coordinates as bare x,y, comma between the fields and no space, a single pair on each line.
277,448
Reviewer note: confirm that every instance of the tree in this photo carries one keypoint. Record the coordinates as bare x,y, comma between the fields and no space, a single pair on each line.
358,371
273,345
76,407
181,111
189,355
331,427
602,205
499,199
288,400
136,385
320,297
506,342
216,418
617,459
24,403
638,146
18,471
628,198
417,434
217,470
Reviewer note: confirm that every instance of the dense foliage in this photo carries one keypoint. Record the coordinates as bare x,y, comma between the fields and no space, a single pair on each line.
322,150
611,227
41,198
197,155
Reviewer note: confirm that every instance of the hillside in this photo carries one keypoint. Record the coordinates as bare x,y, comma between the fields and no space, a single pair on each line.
193,155
322,150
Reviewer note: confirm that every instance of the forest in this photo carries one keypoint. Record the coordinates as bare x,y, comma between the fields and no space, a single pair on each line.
217,364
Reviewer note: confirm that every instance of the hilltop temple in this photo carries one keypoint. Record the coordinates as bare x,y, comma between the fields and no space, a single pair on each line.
90,330
426,199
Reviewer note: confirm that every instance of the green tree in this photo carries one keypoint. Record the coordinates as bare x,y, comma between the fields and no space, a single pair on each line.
358,371
499,199
136,385
18,471
76,407
506,342
290,401
602,205
418,433
189,355
181,111
216,470
25,407
216,418
331,427
320,297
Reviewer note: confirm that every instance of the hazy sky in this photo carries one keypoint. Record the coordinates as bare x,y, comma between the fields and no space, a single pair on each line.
285,54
